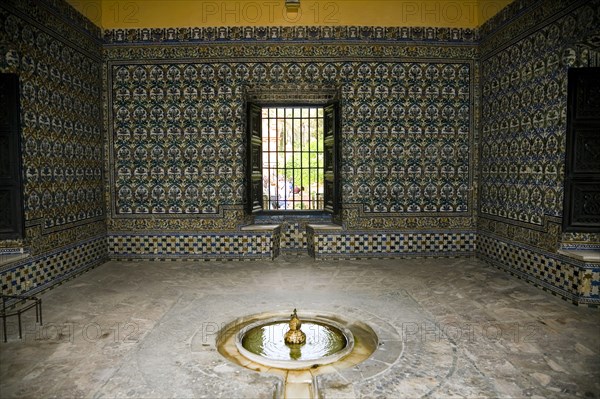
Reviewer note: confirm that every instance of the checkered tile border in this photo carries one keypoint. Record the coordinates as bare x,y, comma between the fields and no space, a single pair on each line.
31,275
568,278
344,245
250,245
293,237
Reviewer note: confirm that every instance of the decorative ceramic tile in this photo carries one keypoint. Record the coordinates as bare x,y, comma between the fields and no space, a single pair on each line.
526,51
177,134
343,244
524,94
571,279
256,245
57,54
585,241
58,62
174,113
289,34
37,273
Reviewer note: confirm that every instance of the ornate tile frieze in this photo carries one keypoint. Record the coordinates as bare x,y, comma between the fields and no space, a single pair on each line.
292,51
521,17
544,237
255,34
585,241
229,219
60,20
355,219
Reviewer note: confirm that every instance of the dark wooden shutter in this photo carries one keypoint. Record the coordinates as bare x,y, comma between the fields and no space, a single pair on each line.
582,168
11,203
254,201
332,159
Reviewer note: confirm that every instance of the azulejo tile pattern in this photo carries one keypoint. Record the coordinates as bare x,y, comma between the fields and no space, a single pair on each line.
526,51
558,274
177,133
590,241
524,83
524,120
289,34
59,69
408,123
293,235
368,244
39,272
247,245
57,54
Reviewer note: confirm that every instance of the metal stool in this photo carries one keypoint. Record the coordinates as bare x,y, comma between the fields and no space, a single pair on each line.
20,299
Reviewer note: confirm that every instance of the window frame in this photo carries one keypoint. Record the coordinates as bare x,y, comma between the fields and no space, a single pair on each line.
252,206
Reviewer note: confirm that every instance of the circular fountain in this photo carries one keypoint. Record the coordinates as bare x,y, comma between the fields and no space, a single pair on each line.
321,339
297,351
293,344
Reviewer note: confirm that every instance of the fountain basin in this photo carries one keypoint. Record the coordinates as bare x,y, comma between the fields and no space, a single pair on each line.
298,376
262,342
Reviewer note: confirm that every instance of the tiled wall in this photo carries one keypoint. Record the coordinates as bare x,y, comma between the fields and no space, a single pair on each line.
189,246
524,86
57,54
176,126
571,279
381,244
157,145
36,273
526,51
178,133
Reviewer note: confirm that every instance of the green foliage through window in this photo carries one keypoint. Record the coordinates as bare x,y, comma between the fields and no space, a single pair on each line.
293,157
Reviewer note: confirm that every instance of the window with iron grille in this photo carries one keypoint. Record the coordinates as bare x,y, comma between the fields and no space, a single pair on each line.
292,158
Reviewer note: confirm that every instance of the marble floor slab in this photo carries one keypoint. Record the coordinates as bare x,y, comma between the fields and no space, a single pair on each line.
447,328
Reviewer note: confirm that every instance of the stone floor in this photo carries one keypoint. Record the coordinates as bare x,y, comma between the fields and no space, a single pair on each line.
447,328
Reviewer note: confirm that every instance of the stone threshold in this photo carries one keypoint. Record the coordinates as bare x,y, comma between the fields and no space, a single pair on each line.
585,255
6,259
325,227
260,227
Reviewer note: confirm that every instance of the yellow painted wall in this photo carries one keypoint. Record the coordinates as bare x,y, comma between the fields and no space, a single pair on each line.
112,14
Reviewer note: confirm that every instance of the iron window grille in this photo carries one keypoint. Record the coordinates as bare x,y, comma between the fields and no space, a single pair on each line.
292,158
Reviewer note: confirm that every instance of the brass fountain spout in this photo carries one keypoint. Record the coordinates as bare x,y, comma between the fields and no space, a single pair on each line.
294,335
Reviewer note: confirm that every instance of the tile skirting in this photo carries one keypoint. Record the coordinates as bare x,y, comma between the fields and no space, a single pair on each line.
31,275
333,243
263,243
574,280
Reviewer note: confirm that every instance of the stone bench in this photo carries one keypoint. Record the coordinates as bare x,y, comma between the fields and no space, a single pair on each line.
331,241
249,242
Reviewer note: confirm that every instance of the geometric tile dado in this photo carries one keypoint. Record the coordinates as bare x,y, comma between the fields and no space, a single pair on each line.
382,244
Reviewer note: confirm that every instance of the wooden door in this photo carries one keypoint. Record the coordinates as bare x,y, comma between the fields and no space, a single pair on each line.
254,178
582,168
11,204
331,190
